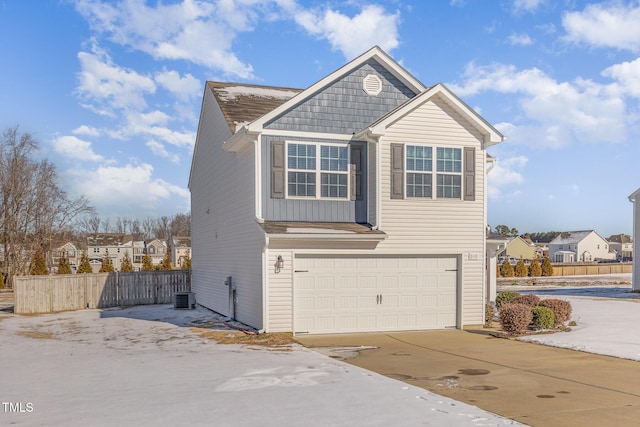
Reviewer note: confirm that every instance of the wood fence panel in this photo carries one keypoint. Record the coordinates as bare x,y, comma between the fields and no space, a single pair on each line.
46,294
32,295
66,293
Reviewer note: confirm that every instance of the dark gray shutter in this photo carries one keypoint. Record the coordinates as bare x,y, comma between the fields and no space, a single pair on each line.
469,174
355,172
277,169
397,171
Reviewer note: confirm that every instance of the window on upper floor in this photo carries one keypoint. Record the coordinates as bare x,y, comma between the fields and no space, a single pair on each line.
420,172
308,177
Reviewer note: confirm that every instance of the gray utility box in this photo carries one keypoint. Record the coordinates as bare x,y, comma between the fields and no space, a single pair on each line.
185,300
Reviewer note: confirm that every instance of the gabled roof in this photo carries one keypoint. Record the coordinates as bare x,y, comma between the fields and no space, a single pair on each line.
111,239
572,237
377,129
374,53
620,238
243,103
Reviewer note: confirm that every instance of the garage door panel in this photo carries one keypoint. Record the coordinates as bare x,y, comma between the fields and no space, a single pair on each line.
361,294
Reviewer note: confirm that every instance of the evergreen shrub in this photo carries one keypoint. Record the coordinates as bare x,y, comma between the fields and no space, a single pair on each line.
543,318
505,297
561,309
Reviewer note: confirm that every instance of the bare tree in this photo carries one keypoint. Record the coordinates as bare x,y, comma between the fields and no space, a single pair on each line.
34,207
148,225
181,225
89,224
106,225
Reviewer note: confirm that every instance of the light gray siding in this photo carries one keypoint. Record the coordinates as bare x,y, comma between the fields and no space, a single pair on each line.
343,106
226,239
306,210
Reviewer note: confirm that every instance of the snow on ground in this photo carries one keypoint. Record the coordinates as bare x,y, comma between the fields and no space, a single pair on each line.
145,365
604,308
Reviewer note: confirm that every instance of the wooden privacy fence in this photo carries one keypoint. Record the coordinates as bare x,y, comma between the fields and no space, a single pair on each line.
63,292
591,269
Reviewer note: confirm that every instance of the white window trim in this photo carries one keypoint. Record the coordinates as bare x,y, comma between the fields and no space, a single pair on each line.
318,171
434,173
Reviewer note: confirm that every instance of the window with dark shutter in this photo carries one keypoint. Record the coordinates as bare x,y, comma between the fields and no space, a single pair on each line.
277,169
356,173
469,173
397,171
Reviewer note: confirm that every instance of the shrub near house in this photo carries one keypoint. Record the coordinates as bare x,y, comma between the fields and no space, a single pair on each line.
516,309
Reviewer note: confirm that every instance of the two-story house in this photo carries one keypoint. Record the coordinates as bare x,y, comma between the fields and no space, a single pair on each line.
520,248
622,244
580,246
357,204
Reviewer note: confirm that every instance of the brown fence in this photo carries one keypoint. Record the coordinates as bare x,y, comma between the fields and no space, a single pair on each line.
591,269
49,294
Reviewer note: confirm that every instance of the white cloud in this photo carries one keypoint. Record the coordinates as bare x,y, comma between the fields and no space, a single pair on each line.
130,185
520,40
552,113
352,35
628,75
196,31
86,131
613,24
182,87
107,86
527,5
159,150
505,174
75,148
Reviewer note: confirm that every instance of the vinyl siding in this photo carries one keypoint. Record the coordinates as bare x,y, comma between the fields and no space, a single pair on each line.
453,227
226,239
280,294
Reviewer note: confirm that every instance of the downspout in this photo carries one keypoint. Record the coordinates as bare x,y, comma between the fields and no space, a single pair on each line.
265,281
258,181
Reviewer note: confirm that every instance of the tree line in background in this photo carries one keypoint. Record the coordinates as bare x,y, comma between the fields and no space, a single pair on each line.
538,237
37,216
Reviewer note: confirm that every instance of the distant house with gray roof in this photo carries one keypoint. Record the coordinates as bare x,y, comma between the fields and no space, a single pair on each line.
580,246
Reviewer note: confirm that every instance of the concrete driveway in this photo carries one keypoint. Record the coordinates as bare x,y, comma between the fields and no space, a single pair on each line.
530,383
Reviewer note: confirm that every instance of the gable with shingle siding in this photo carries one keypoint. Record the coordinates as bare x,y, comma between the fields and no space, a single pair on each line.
343,107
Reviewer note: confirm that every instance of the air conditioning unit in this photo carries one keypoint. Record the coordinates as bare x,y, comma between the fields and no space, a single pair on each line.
185,300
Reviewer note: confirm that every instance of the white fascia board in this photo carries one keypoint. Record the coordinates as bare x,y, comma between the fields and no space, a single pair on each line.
297,134
328,237
492,135
403,75
239,140
634,196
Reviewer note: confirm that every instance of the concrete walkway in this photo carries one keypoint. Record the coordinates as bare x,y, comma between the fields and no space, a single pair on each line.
531,383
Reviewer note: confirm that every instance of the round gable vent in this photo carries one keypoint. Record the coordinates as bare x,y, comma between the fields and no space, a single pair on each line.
372,84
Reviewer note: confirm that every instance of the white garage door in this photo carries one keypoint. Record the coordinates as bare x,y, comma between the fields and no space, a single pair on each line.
364,294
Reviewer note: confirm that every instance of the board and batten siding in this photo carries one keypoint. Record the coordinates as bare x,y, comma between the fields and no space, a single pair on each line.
225,236
415,225
343,107
288,209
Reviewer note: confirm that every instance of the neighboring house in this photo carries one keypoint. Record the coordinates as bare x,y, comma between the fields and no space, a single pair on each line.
116,245
180,248
70,251
357,204
520,248
157,249
623,245
580,246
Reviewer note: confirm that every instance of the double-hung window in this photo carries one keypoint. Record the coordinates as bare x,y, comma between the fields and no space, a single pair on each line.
449,167
304,172
420,172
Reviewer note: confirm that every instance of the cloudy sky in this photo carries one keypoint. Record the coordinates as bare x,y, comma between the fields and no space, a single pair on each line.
112,89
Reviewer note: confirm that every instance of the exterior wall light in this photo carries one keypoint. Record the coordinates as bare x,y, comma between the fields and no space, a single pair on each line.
279,264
